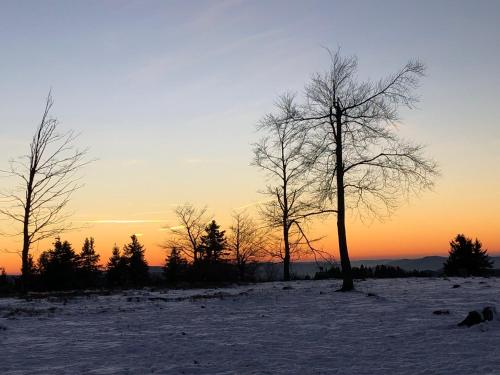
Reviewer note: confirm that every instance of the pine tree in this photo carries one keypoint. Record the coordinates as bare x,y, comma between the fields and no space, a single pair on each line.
467,258
58,266
175,266
4,283
3,276
116,268
137,267
213,244
88,261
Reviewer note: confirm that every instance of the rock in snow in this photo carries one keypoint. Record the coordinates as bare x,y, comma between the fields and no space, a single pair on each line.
479,316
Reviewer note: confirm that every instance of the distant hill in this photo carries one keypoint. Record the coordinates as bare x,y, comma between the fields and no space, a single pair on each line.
429,263
301,269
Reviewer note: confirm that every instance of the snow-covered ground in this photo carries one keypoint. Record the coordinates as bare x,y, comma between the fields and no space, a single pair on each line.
385,327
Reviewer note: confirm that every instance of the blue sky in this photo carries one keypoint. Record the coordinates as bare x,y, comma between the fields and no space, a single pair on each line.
167,93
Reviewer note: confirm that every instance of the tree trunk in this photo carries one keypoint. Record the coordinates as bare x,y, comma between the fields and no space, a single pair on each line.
25,258
26,236
286,259
347,284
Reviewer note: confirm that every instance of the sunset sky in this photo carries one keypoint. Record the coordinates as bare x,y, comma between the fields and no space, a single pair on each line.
167,94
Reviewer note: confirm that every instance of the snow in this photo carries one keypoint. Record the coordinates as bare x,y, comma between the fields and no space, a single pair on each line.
304,327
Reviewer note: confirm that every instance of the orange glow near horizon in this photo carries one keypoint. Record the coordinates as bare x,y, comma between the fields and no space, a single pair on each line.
411,232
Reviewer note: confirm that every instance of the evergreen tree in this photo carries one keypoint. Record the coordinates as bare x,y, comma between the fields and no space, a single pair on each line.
467,258
88,258
4,283
3,276
88,263
137,267
175,266
213,244
116,268
58,266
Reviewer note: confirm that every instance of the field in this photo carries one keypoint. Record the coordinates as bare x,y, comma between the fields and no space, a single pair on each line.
304,327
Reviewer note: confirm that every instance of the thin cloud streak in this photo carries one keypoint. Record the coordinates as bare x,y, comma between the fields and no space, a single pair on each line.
120,221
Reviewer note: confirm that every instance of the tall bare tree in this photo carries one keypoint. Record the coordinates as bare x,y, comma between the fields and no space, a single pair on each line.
186,235
246,240
47,177
360,161
281,154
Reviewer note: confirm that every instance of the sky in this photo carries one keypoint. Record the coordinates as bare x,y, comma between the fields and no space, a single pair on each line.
167,94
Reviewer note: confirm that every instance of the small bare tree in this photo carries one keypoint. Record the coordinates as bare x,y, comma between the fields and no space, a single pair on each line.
246,241
359,160
281,154
48,176
186,235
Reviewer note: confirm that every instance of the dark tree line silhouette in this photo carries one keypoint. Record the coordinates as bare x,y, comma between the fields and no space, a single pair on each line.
62,268
212,263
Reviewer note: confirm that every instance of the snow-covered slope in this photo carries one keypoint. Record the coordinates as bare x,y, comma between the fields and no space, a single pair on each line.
385,327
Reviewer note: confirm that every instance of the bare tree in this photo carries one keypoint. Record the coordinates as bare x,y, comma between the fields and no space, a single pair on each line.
359,160
48,176
190,227
281,154
247,241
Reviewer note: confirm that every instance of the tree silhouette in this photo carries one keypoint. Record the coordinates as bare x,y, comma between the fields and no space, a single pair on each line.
213,244
3,277
175,266
356,158
186,234
116,268
58,267
467,258
88,263
48,178
246,242
281,153
137,267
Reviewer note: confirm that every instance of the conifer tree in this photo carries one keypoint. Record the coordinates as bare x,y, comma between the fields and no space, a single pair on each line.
213,244
3,276
137,267
175,266
58,266
467,258
88,261
4,283
116,268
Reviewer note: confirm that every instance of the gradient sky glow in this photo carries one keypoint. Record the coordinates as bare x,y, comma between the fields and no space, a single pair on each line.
167,93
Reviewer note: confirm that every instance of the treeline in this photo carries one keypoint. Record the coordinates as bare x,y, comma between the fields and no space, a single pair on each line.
377,272
216,258
62,268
